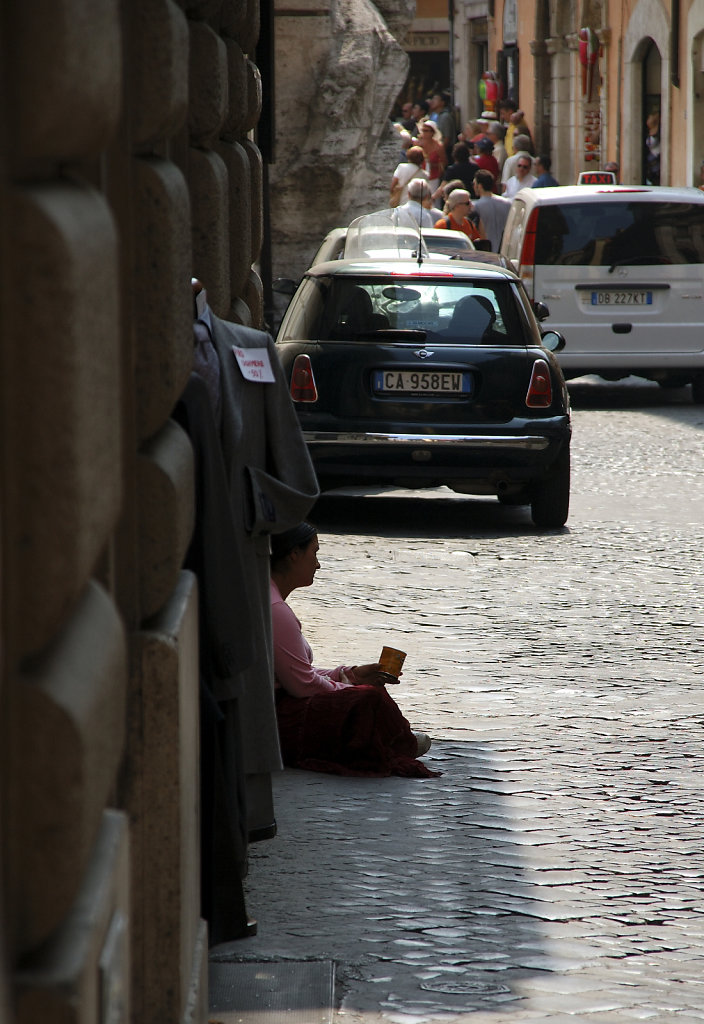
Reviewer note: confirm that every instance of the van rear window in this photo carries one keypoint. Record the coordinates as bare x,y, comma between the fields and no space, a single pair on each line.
594,234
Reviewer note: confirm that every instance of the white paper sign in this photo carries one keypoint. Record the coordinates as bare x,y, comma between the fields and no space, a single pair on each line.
254,364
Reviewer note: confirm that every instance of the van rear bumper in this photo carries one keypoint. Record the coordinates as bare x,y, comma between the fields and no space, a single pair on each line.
592,362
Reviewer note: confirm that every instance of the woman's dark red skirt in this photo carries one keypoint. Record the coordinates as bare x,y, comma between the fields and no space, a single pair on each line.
356,731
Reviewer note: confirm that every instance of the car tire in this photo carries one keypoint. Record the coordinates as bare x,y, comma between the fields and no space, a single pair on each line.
550,499
698,390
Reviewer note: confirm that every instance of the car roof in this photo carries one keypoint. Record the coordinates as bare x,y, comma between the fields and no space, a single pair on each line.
333,242
609,193
373,266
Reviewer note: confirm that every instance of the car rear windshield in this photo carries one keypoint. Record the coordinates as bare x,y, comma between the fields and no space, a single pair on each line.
604,234
346,308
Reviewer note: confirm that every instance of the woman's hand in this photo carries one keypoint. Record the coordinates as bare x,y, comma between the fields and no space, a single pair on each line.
370,675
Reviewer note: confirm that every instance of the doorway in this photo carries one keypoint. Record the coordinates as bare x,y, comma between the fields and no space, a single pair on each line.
651,100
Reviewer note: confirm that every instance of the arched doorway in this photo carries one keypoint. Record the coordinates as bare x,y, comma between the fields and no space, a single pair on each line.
646,76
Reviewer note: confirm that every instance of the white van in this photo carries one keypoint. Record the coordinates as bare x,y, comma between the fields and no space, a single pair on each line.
621,271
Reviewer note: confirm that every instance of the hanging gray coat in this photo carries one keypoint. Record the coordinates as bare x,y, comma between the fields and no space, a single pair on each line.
272,487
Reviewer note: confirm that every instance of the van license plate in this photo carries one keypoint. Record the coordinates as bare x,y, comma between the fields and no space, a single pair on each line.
422,382
622,298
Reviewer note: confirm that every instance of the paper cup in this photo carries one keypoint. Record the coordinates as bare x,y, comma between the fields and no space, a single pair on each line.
391,660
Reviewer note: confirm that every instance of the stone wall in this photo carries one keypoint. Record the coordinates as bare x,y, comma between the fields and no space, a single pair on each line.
339,69
126,167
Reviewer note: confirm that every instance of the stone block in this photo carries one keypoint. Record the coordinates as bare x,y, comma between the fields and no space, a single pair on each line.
208,84
253,107
249,29
63,336
254,297
81,975
158,85
166,513
237,73
201,9
71,77
162,291
71,737
256,177
233,20
162,777
209,189
236,160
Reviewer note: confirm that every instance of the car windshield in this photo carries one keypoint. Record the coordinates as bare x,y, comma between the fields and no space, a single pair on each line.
454,311
602,234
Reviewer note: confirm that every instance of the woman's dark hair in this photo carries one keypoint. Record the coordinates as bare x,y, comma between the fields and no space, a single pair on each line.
460,153
282,544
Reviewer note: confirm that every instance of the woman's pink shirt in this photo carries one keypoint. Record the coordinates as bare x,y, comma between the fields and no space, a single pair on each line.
293,658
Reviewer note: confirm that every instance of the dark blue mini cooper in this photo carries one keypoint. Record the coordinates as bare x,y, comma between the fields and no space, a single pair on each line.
417,374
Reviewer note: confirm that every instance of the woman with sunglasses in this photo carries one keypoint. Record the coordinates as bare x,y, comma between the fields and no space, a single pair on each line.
458,207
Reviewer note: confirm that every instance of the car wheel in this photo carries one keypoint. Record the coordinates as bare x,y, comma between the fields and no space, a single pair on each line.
550,499
698,390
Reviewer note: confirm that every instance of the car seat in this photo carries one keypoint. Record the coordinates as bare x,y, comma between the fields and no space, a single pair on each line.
471,318
355,316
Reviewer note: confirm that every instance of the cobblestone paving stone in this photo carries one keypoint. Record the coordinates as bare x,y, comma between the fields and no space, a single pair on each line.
554,871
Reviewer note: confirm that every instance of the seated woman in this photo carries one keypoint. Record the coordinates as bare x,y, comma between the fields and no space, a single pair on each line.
340,720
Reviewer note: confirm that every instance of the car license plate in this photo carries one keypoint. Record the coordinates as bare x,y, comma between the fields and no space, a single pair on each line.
427,382
623,297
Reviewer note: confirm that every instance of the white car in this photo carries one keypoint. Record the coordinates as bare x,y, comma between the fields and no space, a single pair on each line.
372,234
620,269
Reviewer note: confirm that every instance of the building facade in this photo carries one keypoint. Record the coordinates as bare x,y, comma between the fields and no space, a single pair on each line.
598,80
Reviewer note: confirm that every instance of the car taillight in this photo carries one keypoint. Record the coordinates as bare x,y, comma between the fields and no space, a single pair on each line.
527,258
303,387
539,394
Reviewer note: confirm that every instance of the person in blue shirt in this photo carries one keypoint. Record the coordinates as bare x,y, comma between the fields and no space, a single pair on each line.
542,170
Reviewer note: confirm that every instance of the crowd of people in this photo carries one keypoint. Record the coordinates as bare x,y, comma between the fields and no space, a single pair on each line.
464,180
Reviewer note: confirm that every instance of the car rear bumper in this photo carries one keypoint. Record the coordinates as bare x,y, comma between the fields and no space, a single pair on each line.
473,442
479,463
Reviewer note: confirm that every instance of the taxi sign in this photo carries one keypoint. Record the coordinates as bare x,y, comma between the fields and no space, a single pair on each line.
596,178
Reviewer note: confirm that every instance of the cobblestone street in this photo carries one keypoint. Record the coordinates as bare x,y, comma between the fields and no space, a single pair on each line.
553,872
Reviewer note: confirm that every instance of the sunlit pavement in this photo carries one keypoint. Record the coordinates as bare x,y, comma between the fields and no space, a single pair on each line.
553,872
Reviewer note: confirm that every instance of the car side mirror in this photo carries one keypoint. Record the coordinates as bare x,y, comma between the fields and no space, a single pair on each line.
482,244
541,311
284,286
553,341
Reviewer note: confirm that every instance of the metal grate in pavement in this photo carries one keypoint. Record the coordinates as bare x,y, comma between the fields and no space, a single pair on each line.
284,992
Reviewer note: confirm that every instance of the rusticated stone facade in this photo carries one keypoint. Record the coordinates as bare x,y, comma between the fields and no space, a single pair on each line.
339,69
126,167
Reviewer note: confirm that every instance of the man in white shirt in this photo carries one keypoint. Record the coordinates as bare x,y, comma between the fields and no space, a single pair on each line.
413,213
522,177
523,148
